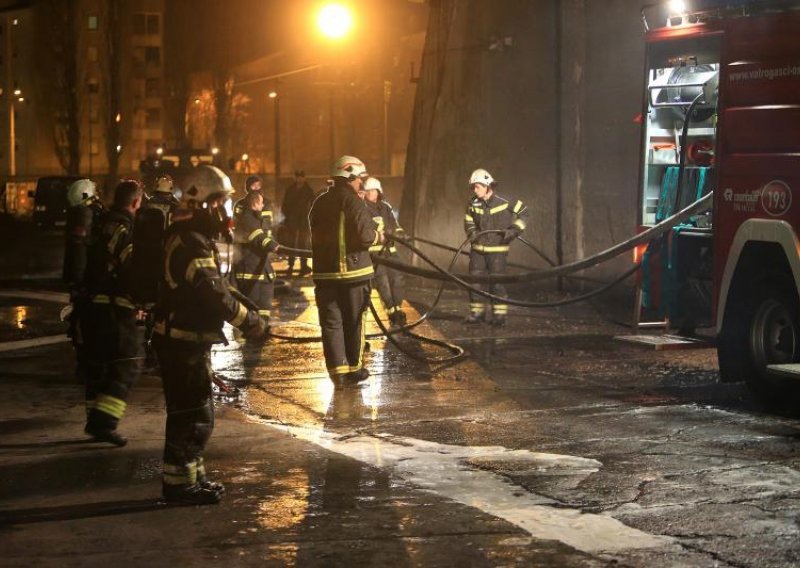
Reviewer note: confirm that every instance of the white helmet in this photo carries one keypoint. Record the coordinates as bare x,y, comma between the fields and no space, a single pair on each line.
349,168
81,191
204,182
164,184
372,183
481,176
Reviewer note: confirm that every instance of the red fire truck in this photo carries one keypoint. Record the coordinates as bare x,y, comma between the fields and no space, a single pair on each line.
722,114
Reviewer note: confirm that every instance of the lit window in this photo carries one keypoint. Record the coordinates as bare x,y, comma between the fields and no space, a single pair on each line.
92,22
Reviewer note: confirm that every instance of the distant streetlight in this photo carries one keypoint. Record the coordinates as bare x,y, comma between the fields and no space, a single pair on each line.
677,6
160,151
277,119
215,150
334,21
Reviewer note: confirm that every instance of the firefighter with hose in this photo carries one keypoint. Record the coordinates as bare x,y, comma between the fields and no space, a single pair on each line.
489,253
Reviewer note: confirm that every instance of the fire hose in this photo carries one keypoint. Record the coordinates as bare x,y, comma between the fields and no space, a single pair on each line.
467,281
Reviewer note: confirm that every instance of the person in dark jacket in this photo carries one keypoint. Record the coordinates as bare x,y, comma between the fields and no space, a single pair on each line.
388,281
489,211
195,303
295,208
341,233
110,323
253,244
83,221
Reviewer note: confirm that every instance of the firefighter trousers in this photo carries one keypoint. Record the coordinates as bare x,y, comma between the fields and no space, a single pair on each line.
298,238
112,344
486,264
342,310
391,288
186,376
260,292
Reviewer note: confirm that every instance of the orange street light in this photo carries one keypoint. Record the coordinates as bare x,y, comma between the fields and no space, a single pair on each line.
334,21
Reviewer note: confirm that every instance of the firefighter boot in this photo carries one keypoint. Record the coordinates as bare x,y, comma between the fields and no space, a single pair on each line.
499,312
103,427
106,435
353,378
190,495
398,318
203,480
475,317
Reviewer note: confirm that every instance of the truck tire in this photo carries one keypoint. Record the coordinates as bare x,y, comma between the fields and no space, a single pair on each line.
764,330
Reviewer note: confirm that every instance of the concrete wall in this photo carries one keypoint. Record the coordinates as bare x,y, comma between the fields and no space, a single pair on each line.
551,116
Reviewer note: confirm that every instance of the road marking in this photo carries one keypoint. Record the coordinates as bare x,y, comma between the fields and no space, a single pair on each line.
58,297
453,472
36,342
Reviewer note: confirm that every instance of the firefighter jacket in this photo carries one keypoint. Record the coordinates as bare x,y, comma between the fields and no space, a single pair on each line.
83,222
266,213
383,215
342,231
296,204
196,301
108,271
252,245
495,213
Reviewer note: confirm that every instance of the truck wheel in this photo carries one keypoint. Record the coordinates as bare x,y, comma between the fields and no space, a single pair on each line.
764,331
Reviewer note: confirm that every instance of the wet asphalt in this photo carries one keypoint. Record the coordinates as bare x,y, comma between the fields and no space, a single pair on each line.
551,444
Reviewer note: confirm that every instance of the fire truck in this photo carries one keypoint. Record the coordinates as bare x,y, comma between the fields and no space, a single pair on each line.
722,114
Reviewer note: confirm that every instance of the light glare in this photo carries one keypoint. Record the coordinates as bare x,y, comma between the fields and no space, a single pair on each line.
677,6
334,21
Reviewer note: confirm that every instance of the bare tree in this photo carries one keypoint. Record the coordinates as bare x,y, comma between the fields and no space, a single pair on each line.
59,81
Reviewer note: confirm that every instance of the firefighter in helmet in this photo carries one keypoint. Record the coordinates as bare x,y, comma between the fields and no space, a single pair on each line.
195,303
341,233
253,244
110,322
252,183
489,211
83,219
388,281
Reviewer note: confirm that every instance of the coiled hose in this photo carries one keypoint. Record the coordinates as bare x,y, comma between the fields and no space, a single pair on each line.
467,280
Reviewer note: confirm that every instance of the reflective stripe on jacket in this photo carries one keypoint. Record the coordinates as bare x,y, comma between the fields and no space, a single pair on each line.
196,301
495,213
341,233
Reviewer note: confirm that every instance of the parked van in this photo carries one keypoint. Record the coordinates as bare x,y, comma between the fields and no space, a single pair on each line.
50,200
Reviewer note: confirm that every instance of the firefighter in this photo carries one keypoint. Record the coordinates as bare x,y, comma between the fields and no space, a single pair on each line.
252,268
341,233
110,322
152,220
295,207
388,281
83,215
254,183
194,304
489,252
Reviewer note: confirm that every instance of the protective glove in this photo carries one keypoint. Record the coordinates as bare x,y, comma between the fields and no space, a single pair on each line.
509,235
257,331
